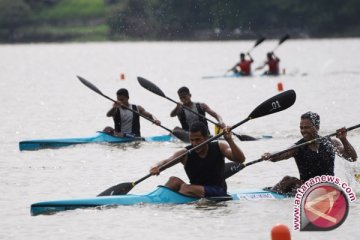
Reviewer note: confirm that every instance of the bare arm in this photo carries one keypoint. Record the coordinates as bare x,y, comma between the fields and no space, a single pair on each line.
176,110
230,150
112,111
155,170
261,66
207,109
233,68
280,157
344,148
251,59
142,111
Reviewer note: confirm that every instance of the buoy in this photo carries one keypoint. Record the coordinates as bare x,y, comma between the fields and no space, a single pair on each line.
280,232
122,76
280,87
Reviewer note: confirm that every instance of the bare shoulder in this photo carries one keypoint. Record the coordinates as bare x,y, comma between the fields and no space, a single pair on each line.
204,106
140,108
223,145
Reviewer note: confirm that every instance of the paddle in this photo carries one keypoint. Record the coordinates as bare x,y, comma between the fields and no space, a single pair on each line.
257,43
283,39
275,104
231,168
95,89
155,89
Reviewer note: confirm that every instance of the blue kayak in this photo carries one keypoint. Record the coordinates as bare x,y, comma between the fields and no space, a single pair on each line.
161,195
100,137
230,75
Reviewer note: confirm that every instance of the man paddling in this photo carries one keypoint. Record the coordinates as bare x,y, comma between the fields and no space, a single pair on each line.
126,122
273,65
244,66
186,117
315,159
204,166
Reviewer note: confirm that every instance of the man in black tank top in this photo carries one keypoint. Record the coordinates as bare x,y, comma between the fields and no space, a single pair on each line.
126,122
203,166
186,117
314,159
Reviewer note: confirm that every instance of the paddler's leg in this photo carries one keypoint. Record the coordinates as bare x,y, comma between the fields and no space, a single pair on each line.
287,185
192,190
108,130
113,132
174,183
202,191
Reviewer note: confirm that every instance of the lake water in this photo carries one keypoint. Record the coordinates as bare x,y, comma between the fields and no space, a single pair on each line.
41,97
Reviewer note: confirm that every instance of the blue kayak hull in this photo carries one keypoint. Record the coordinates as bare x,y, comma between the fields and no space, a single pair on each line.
161,195
231,75
101,137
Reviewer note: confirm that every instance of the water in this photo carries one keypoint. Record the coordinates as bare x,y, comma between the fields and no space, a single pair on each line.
41,98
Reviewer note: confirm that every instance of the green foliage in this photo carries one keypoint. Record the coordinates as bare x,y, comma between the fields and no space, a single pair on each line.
180,19
13,14
72,9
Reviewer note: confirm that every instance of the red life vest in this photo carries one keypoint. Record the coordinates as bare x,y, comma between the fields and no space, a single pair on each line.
245,67
273,66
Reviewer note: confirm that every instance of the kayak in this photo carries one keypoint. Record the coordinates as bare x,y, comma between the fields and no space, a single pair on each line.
100,137
230,75
239,75
161,195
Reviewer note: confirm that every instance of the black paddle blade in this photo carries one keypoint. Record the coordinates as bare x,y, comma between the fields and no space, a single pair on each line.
181,134
231,168
260,40
244,137
89,85
275,104
150,86
284,38
120,189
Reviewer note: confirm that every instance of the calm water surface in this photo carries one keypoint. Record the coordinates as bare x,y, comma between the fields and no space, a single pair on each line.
41,98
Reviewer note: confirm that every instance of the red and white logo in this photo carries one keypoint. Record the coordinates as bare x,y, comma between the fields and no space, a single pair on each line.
322,206
325,207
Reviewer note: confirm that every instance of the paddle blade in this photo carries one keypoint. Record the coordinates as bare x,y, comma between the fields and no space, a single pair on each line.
231,168
150,86
120,189
284,38
275,104
89,85
244,137
181,134
260,40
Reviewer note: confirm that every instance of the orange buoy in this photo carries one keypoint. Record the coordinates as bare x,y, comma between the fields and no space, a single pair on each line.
280,87
122,76
280,232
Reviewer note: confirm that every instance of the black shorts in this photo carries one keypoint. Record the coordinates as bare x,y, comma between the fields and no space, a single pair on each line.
214,191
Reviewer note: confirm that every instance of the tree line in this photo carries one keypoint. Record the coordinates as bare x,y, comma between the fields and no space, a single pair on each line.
184,19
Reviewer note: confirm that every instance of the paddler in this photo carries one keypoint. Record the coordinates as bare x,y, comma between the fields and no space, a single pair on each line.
204,166
273,65
126,122
186,117
244,66
314,159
